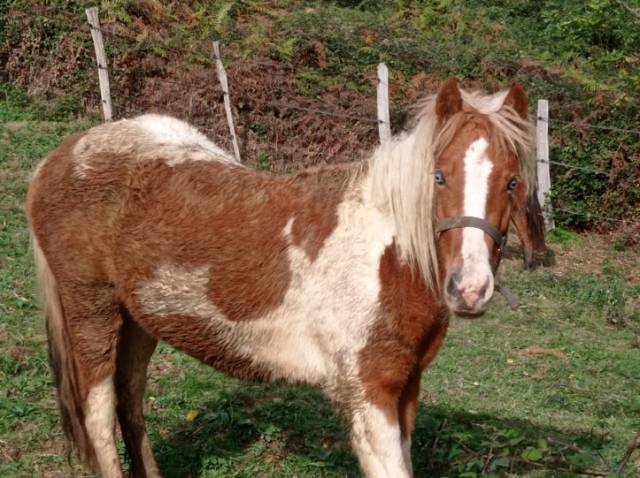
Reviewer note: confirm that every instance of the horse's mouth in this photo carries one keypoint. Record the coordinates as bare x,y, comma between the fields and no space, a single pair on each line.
462,310
469,314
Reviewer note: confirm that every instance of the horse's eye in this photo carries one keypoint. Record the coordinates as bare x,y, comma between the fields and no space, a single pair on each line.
439,178
511,185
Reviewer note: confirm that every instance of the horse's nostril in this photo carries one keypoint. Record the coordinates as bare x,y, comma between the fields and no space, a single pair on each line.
453,285
483,289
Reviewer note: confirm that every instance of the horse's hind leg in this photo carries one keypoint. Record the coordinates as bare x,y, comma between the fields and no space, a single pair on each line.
135,348
92,321
100,424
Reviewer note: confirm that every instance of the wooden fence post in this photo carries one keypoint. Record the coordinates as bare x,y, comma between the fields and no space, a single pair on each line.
101,60
384,122
222,77
542,156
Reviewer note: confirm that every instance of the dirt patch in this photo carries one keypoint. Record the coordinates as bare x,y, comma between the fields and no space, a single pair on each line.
597,254
534,350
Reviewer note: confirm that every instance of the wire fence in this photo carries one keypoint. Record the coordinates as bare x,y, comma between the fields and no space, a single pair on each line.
574,166
598,216
205,58
578,123
326,113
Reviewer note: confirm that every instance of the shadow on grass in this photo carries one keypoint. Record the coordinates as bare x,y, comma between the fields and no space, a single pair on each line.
279,430
251,429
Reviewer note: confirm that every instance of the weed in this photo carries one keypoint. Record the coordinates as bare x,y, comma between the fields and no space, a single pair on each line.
562,236
263,161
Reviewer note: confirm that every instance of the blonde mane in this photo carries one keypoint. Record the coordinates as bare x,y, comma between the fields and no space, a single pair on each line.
401,172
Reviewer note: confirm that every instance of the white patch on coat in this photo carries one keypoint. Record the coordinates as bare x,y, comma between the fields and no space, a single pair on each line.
100,422
476,269
168,130
286,232
377,443
175,290
406,454
326,315
146,137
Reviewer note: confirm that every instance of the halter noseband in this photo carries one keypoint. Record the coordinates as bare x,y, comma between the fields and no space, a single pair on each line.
500,238
471,221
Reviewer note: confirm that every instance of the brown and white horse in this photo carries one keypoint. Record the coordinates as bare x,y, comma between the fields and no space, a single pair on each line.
341,277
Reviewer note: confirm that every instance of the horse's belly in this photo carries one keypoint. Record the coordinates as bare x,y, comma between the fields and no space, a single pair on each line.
311,337
300,349
299,342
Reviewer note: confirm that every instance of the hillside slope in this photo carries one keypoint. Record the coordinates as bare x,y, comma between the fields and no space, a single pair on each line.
286,58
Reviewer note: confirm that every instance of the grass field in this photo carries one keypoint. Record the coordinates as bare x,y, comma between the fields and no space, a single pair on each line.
548,390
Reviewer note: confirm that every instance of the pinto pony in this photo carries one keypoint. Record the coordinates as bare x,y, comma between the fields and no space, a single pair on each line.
341,277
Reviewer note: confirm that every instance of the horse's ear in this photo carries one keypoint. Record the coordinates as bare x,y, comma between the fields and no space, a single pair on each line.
517,99
449,100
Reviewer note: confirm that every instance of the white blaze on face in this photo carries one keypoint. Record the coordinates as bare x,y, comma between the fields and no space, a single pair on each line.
476,269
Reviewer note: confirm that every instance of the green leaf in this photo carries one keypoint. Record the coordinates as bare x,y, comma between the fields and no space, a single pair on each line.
500,463
532,454
468,474
542,444
515,441
454,452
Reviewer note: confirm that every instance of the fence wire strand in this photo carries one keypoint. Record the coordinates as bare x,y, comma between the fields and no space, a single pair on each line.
590,125
589,215
326,113
573,166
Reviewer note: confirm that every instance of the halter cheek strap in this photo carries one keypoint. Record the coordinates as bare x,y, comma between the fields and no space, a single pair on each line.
470,221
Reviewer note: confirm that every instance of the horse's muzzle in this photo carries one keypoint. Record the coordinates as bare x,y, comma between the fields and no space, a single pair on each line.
468,298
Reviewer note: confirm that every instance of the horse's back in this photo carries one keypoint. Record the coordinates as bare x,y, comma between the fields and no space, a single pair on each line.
79,191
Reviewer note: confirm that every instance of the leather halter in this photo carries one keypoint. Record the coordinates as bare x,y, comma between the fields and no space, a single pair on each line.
471,221
499,238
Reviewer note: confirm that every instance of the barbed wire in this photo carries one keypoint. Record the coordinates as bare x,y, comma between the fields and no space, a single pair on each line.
590,125
574,166
113,33
326,113
589,215
280,105
149,43
164,46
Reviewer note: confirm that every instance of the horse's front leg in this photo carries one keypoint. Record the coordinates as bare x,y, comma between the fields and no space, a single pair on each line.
383,423
377,441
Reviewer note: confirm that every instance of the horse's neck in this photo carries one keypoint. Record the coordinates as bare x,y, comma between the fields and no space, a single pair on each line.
330,185
400,186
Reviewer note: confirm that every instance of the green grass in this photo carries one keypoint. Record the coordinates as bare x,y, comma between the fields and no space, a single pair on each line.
548,390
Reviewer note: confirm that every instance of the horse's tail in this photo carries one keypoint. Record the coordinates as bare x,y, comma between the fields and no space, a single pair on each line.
61,359
535,222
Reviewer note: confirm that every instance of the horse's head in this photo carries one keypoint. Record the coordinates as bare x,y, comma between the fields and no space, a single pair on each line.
478,180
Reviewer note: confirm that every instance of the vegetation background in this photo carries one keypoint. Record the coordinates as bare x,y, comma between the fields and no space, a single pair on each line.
548,390
582,55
